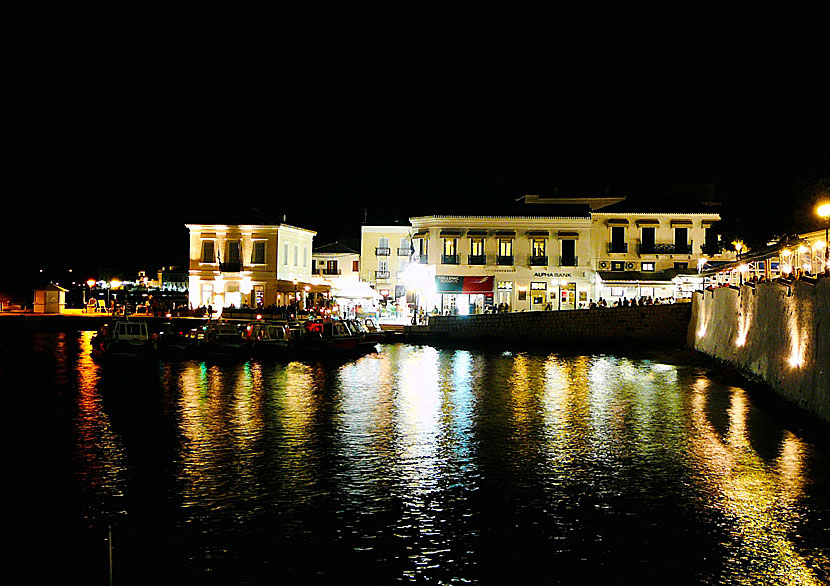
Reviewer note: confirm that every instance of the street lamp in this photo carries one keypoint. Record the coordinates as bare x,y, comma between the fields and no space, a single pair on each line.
824,211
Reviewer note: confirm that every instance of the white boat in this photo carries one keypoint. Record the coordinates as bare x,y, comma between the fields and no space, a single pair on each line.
125,338
268,337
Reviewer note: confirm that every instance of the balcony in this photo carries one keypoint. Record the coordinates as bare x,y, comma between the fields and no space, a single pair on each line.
230,267
568,261
449,259
538,261
326,272
386,251
504,260
712,249
618,247
404,251
477,259
421,259
382,275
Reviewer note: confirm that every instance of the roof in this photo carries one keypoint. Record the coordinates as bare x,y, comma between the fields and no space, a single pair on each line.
334,248
635,276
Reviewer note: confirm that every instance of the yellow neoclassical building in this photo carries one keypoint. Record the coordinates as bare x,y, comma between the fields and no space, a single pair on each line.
253,265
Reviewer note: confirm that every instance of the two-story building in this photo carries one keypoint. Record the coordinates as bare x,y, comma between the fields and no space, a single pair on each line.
250,265
581,250
522,262
384,258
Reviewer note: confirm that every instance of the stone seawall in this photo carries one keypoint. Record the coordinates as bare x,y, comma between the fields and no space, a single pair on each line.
655,325
778,333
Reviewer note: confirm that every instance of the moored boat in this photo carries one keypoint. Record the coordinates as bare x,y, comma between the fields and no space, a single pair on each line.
124,338
374,333
223,339
326,335
180,337
268,338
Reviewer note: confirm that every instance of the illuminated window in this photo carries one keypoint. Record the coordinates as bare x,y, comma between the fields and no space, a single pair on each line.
648,266
538,246
476,246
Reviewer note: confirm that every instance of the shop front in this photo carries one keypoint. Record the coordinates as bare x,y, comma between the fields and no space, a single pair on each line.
460,295
555,291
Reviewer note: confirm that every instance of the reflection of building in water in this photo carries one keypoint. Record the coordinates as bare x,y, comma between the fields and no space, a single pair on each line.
759,499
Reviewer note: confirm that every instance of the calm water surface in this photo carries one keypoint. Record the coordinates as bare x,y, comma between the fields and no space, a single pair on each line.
413,465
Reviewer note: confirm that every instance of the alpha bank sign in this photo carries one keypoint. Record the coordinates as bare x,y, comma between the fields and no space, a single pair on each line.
554,275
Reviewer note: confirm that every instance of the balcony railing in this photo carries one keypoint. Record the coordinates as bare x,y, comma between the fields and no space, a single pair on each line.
449,259
326,272
477,259
404,251
382,274
230,267
504,260
663,248
568,261
422,259
538,261
385,251
711,249
618,247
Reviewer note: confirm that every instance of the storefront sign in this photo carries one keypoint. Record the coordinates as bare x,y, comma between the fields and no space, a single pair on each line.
459,284
554,275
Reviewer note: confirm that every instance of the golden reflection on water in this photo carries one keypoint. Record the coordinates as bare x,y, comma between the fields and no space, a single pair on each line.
759,499
100,452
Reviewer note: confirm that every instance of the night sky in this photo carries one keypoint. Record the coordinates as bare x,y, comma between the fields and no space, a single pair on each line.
125,207
109,170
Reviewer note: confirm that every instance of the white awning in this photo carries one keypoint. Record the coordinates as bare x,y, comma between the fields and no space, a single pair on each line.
355,290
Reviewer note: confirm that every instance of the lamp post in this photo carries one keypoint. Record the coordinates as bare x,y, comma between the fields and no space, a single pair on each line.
824,211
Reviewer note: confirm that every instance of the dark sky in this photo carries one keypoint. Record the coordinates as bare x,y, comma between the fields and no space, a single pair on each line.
125,205
112,155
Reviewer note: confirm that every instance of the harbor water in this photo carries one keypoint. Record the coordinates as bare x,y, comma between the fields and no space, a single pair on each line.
408,464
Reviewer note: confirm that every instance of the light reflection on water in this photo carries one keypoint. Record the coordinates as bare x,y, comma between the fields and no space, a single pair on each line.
450,466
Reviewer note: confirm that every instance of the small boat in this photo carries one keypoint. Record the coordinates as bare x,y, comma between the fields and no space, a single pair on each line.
326,335
124,338
374,333
268,338
223,339
180,337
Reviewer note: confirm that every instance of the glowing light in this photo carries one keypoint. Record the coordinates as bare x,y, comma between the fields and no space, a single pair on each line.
785,252
824,210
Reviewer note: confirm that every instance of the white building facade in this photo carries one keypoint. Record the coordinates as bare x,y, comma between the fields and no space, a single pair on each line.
248,265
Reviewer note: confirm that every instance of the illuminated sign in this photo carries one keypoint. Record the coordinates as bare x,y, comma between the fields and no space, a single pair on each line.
554,275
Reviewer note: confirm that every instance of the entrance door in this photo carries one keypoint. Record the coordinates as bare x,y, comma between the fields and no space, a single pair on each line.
567,296
504,297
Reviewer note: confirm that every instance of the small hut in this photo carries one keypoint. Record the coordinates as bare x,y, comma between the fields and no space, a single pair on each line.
51,299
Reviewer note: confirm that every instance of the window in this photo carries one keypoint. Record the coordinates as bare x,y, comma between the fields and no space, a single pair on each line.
450,256
305,256
356,266
538,246
258,253
383,242
617,292
647,239
285,254
232,255
296,254
681,240
505,247
568,253
538,286
476,246
647,266
208,254
618,243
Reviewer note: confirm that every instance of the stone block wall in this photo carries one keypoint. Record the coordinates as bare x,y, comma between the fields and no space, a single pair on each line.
663,325
776,332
